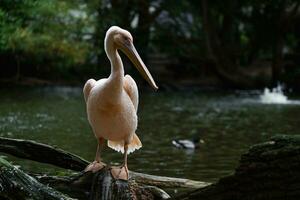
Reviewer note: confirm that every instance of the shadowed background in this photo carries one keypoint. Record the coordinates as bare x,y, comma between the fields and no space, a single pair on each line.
192,46
235,44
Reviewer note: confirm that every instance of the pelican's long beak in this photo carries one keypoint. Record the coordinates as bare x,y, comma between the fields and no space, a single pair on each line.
135,58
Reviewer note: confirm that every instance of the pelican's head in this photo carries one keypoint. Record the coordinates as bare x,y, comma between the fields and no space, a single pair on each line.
121,39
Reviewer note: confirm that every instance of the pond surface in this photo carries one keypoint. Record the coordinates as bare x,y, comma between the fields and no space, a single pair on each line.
228,122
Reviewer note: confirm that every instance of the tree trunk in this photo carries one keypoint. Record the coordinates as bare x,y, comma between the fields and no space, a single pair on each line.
15,184
277,61
224,63
143,28
270,170
32,150
18,70
43,153
87,185
284,22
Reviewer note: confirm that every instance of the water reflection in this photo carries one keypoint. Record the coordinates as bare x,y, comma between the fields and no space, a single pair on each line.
228,122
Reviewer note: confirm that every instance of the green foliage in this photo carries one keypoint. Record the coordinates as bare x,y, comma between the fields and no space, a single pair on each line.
42,30
65,36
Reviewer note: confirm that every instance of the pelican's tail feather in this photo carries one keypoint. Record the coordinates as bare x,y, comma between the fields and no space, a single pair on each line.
135,144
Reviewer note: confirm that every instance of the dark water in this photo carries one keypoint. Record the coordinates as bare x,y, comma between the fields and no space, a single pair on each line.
228,122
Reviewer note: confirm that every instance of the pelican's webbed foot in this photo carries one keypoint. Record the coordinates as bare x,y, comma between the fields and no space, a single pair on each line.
94,166
120,172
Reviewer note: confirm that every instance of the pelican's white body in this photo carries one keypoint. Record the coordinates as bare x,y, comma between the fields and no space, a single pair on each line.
112,102
112,115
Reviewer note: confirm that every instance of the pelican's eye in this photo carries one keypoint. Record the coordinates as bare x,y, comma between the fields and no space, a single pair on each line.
127,40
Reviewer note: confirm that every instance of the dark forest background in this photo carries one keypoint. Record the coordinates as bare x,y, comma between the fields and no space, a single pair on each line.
229,43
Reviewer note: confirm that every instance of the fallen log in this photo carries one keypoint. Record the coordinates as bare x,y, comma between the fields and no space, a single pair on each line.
93,186
88,185
43,153
166,182
31,150
15,184
269,170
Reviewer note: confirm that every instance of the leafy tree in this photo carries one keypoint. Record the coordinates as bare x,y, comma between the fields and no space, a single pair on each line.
47,34
226,38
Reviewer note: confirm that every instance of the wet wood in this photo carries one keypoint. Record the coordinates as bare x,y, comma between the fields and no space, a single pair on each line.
44,153
167,182
270,170
101,183
51,155
17,185
88,185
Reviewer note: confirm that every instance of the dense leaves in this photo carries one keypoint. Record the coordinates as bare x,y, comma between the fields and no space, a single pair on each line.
43,33
237,41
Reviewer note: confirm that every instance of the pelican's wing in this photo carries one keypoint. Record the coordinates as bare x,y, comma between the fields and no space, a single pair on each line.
132,90
87,88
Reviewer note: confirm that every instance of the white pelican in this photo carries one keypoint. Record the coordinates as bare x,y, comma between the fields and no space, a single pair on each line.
112,102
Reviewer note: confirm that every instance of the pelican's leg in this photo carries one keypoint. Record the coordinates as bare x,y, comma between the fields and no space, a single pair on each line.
122,171
98,152
125,161
97,164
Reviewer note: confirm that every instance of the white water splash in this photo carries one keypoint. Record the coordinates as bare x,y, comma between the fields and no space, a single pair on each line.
276,96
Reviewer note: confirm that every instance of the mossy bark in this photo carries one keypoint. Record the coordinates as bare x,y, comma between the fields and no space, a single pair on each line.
28,149
43,153
270,170
15,184
84,185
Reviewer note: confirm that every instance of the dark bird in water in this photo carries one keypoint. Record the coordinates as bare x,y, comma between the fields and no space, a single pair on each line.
188,144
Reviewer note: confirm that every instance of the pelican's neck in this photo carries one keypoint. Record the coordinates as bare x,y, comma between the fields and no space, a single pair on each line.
115,80
117,69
